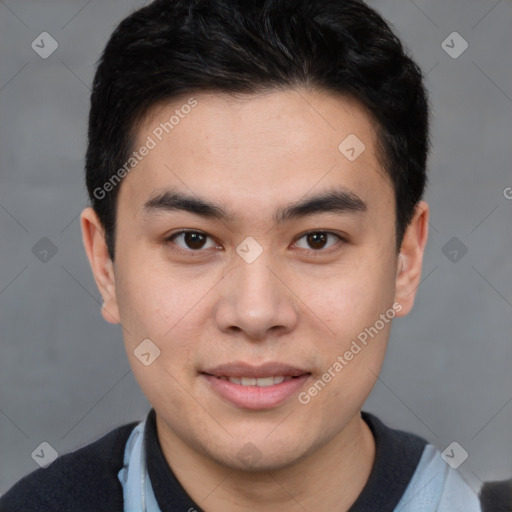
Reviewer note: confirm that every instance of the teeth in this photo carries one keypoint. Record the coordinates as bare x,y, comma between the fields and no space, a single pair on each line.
260,382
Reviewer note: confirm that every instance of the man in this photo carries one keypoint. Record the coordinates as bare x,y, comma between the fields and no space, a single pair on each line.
256,172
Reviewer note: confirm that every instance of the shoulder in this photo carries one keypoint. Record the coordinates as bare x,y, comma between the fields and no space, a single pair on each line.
397,454
85,479
410,474
438,487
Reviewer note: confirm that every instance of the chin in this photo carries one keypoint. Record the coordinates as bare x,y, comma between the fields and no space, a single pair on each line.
259,456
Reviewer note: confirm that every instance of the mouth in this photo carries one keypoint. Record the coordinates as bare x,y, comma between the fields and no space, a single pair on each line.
262,382
255,387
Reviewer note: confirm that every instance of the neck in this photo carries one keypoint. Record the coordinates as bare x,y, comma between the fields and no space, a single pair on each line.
329,479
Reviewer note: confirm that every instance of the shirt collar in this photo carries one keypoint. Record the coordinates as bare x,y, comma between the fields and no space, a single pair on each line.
397,455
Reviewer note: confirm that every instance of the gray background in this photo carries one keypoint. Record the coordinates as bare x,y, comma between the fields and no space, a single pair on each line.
64,376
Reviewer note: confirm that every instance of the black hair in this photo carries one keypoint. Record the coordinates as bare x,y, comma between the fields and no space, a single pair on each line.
172,48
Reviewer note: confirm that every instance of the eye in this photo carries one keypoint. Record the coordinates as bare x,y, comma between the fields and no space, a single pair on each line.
191,241
319,240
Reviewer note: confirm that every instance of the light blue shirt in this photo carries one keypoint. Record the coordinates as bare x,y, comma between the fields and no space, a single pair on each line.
434,487
138,493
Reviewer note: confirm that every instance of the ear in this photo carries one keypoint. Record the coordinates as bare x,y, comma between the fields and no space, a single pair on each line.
93,237
410,259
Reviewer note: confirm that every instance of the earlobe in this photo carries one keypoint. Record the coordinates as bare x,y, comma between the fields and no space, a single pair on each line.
410,258
93,237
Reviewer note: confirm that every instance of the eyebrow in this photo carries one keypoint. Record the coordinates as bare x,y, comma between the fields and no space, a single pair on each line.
331,201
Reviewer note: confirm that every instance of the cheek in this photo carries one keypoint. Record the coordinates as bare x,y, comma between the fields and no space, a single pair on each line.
166,307
349,306
152,298
160,310
351,297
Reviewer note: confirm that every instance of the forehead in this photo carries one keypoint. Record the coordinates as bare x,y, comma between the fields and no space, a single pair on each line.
257,149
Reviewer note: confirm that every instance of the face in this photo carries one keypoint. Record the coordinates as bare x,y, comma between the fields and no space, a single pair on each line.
258,257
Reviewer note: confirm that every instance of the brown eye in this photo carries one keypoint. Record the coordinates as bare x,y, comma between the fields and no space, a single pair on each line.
318,240
194,240
191,240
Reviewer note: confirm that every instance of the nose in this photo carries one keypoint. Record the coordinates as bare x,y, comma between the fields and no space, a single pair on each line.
256,299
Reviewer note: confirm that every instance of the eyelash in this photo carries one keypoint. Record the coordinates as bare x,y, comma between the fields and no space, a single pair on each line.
316,252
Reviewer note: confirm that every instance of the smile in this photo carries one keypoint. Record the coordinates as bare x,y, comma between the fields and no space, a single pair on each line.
261,382
255,392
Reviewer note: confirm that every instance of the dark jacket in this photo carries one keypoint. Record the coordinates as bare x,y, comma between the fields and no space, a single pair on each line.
73,479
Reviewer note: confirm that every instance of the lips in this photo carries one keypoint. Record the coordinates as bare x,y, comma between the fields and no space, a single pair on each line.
255,387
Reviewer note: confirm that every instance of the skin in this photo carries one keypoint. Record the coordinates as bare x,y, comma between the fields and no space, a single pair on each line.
297,303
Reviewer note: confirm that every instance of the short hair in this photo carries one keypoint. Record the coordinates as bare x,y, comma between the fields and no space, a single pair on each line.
172,48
